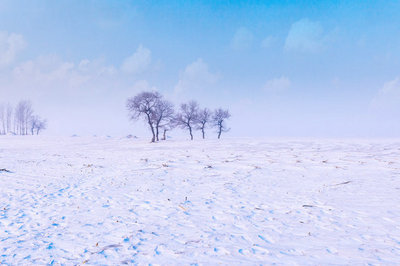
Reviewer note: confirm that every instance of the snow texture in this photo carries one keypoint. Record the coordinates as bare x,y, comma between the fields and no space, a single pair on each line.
236,201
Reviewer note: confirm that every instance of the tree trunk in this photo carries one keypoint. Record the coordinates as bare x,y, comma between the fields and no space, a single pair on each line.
165,134
4,124
151,127
190,131
157,132
153,139
219,132
202,132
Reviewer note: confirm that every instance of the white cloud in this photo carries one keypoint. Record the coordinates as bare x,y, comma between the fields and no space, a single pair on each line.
277,84
305,36
243,39
43,70
95,67
138,62
196,76
50,72
143,85
268,42
10,45
388,96
391,87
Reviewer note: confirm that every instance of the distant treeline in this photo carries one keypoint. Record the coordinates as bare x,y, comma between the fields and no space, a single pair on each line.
20,120
160,115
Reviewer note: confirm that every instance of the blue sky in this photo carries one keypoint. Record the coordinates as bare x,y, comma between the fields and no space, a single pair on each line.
283,68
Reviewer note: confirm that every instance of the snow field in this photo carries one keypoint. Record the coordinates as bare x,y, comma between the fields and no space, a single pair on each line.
235,201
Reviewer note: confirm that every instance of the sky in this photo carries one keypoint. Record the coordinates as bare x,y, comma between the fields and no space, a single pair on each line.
282,68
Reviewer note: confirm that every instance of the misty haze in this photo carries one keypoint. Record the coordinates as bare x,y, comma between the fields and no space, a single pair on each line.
199,132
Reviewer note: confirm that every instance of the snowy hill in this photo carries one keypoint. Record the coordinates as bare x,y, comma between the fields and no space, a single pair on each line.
112,201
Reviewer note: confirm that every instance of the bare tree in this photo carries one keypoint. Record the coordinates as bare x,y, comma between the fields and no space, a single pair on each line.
28,114
19,118
163,115
187,116
203,118
219,118
168,127
23,114
35,121
20,121
9,112
144,104
2,119
37,125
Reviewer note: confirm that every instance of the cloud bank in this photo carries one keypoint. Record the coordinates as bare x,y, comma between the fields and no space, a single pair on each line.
305,36
138,62
242,40
10,45
277,84
195,77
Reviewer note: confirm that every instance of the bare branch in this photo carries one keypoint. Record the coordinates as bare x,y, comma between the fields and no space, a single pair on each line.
219,118
187,116
202,120
144,105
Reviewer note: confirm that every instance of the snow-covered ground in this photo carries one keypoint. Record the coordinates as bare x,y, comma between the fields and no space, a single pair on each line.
235,201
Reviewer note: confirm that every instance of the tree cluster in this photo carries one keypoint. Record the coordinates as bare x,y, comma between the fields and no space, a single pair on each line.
160,115
20,120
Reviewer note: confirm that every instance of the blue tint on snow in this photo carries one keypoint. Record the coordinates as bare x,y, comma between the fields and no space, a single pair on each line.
265,240
157,252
